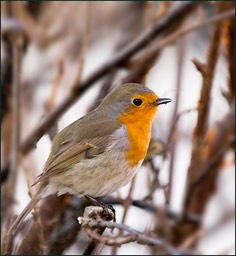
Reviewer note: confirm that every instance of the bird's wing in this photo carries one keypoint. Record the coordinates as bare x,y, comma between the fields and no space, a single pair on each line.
71,151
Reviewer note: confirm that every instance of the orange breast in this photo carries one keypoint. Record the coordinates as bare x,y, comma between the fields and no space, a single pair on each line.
138,123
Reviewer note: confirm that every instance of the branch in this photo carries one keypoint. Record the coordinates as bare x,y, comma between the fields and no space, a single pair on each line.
134,235
17,43
97,213
126,206
173,37
52,98
66,231
201,188
223,141
149,206
180,60
30,244
10,187
230,48
207,70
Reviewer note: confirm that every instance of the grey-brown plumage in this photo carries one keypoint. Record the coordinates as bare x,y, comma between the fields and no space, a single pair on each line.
89,155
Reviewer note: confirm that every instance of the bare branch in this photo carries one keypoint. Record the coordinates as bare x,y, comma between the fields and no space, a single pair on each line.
126,204
135,235
181,54
204,102
97,213
9,190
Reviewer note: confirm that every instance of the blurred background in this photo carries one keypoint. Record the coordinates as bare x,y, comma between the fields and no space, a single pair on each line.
60,58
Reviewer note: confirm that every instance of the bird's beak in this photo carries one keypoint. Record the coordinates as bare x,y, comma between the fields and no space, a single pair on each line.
161,101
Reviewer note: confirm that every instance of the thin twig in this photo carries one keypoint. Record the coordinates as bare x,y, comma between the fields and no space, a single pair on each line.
126,204
149,206
181,55
16,110
192,238
230,48
57,81
85,43
156,182
180,114
52,98
187,28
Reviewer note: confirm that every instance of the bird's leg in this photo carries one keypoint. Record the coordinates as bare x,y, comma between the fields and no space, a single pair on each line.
93,200
106,207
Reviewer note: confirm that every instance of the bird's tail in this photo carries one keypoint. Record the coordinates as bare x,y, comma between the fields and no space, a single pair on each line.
25,212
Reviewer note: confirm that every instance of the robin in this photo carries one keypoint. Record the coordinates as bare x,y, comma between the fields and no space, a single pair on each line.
102,151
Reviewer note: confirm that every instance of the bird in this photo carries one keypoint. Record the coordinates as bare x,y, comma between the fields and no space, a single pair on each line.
101,151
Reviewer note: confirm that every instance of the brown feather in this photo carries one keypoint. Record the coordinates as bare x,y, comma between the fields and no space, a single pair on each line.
71,152
26,211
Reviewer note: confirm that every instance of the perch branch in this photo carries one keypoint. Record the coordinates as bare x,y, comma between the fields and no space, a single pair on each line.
96,213
134,235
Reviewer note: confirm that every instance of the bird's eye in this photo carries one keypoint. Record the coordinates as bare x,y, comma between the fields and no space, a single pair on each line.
137,102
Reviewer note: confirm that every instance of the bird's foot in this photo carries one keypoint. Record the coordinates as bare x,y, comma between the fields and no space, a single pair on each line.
108,213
